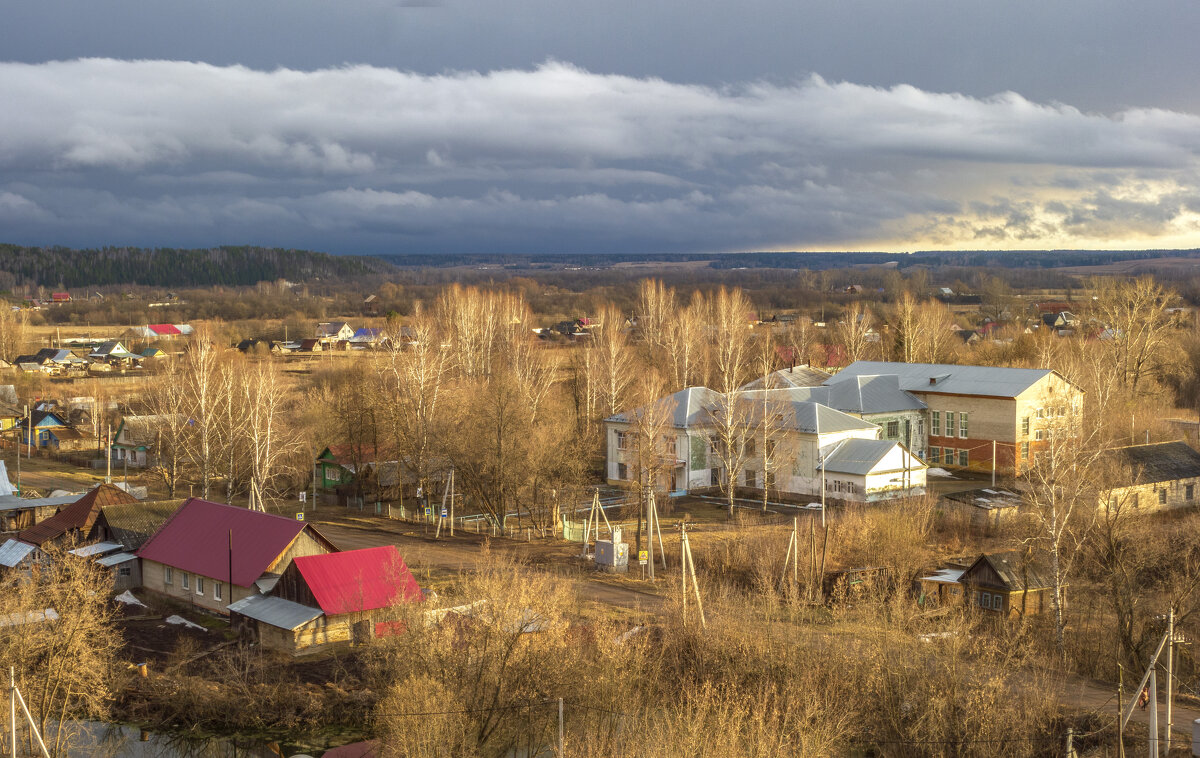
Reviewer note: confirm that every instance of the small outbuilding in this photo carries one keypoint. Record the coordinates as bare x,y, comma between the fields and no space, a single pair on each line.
1162,475
336,598
1008,584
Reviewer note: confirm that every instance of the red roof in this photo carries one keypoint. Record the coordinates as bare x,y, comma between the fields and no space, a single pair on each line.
196,539
59,296
164,329
358,580
80,515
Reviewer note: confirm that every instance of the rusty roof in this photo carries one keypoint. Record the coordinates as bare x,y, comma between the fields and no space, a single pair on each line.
79,515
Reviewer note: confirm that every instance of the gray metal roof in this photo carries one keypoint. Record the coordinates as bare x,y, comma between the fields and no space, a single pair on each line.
990,381
98,548
14,503
857,456
116,558
796,376
6,488
688,407
1161,462
13,552
1017,571
864,394
275,611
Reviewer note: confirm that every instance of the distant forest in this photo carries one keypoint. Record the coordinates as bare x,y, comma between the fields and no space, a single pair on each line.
173,267
811,261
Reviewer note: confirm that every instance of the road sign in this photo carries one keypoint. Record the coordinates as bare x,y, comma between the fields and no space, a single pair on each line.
445,513
300,516
643,557
428,510
303,496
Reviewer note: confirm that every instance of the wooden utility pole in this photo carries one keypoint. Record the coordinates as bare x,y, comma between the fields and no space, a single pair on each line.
108,455
15,697
1120,710
1170,673
451,502
690,568
650,530
793,554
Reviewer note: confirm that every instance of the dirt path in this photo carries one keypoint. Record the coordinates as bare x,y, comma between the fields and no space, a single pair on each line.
462,553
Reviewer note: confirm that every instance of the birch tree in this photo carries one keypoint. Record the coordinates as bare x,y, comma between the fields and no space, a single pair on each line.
263,428
732,360
166,425
1135,312
14,331
854,332
204,399
614,360
683,342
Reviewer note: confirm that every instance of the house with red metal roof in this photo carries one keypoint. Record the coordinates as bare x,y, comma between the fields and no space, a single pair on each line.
211,554
329,599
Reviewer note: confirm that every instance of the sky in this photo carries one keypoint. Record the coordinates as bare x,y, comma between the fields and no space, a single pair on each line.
450,126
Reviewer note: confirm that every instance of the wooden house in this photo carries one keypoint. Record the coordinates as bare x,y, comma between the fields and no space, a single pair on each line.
206,547
1008,584
332,599
74,521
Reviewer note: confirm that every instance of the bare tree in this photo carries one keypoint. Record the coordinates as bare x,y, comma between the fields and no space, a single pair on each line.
614,360
854,332
732,361
166,425
14,331
683,342
1135,314
205,397
268,440
1061,494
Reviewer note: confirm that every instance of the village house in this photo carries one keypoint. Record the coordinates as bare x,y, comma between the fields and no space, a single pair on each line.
204,547
52,430
984,507
133,444
73,522
334,331
1160,475
18,513
336,598
812,443
122,529
1008,584
114,354
972,410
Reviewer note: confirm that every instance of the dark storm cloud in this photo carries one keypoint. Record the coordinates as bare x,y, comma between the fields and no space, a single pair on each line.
557,158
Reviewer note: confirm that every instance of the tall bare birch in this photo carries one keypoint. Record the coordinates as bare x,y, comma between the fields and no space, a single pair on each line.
267,439
732,363
204,396
614,360
854,332
684,337
167,425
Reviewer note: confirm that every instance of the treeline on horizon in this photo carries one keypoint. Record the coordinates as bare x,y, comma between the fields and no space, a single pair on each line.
228,265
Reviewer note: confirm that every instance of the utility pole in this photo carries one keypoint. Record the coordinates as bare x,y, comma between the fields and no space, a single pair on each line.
560,728
1170,672
1120,711
650,531
451,502
993,463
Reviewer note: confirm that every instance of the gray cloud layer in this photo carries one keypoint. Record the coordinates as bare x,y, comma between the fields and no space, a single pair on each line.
361,158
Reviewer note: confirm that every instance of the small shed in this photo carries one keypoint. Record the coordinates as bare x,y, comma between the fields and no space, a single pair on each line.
1162,475
336,598
1009,583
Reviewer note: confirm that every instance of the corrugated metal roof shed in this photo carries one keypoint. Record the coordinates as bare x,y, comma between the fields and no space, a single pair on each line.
860,456
79,515
275,611
133,524
115,559
13,552
797,376
196,539
1161,462
98,548
988,381
15,503
358,580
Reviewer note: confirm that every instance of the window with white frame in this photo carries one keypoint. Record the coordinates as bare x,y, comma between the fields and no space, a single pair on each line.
199,585
184,580
1025,426
622,471
935,423
216,590
166,574
621,443
893,430
963,458
935,455
1039,434
1025,451
962,425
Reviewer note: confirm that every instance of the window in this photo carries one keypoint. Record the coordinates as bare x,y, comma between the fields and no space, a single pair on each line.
1039,435
1134,501
199,585
621,444
184,579
750,478
216,590
852,488
669,445
1025,451
935,423
935,455
622,471
893,430
997,602
1189,491
1041,413
1025,426
920,427
985,600
124,571
770,448
1162,497
750,448
963,459
715,477
166,574
962,425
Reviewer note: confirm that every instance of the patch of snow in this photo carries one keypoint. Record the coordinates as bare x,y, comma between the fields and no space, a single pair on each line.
181,620
939,472
127,598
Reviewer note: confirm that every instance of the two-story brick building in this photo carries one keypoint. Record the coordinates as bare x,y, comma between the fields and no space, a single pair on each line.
972,411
